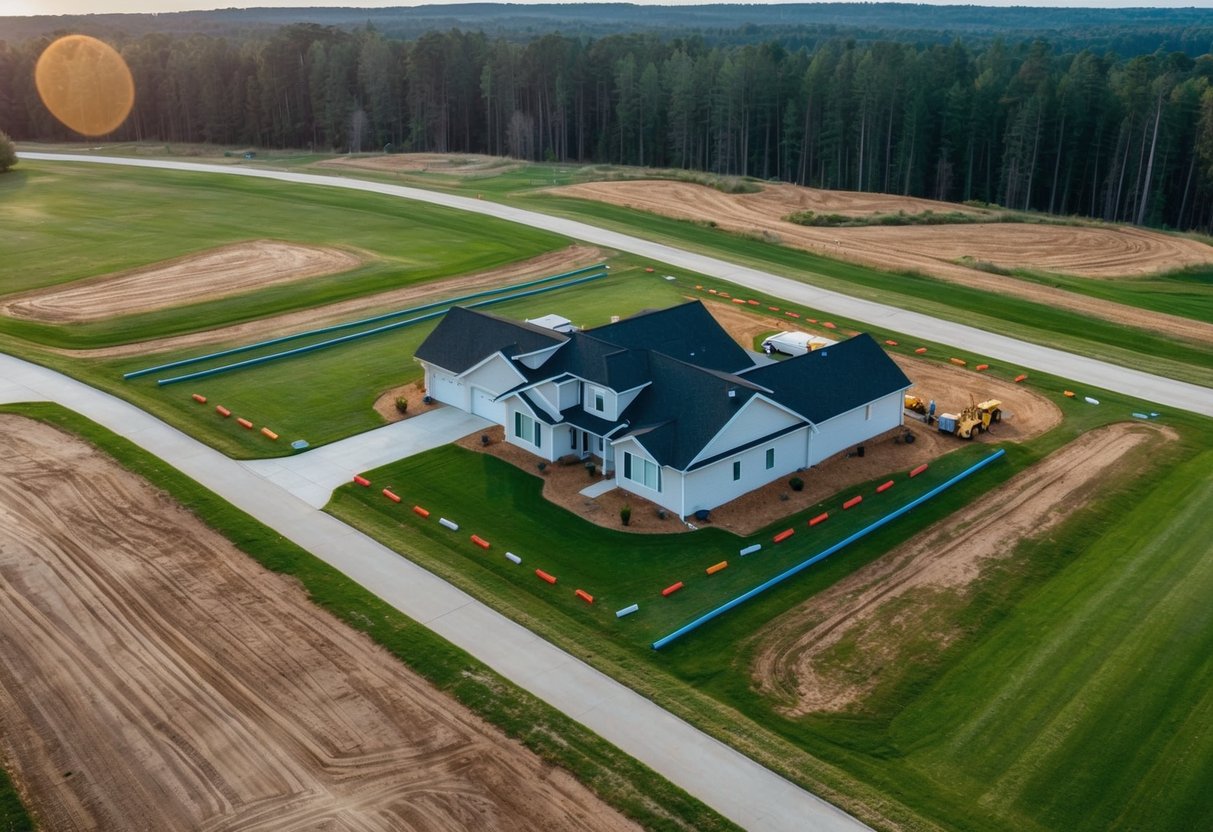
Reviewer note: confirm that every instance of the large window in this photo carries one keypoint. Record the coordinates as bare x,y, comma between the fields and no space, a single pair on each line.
527,429
641,470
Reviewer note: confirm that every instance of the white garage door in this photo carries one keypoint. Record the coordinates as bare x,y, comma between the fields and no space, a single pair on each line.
483,405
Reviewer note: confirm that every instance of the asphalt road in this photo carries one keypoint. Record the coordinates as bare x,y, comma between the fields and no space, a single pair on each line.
1164,391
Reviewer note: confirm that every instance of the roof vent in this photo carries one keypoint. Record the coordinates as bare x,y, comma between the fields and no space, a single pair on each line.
732,392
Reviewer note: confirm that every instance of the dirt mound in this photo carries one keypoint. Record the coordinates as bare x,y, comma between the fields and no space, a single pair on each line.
217,273
884,609
553,262
154,677
1089,250
450,164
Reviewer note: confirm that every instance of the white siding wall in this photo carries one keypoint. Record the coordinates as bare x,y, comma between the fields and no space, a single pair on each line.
713,485
852,428
610,413
547,397
546,451
624,399
495,375
536,359
753,420
671,486
568,393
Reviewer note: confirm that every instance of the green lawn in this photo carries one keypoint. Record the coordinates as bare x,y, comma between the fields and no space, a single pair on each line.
1187,293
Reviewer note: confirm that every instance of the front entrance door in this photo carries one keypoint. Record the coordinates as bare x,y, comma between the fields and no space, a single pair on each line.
585,443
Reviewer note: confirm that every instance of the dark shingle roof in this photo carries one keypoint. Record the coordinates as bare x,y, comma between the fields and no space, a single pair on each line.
827,382
464,338
687,332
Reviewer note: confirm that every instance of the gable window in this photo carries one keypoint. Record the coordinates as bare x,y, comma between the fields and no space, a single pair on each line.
641,470
527,429
770,458
736,469
599,399
867,411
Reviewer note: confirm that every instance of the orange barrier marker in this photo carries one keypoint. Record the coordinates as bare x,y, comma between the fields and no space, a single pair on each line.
584,596
854,501
811,320
752,302
420,512
959,362
480,541
1020,377
391,496
269,433
920,350
199,398
671,589
828,325
363,481
773,308
784,535
700,288
1069,394
245,423
716,567
821,518
649,270
884,487
792,314
544,576
981,368
222,411
711,291
890,343
918,470
724,294
739,300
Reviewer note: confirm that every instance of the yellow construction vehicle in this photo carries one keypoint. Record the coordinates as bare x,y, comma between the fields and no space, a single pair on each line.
972,420
915,404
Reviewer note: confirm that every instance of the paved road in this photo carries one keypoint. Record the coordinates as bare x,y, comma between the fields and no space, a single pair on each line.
311,476
1090,371
726,780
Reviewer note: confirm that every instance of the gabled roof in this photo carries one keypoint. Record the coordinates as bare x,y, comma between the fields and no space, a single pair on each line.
828,382
464,338
687,332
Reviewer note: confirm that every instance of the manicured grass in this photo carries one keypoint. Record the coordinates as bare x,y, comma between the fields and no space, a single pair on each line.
618,779
13,814
67,222
1187,293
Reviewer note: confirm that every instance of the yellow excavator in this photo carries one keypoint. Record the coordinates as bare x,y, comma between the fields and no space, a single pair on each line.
972,420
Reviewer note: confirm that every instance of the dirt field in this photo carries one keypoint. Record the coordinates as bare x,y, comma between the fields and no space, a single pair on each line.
217,273
1026,414
153,677
553,262
1091,251
887,607
450,164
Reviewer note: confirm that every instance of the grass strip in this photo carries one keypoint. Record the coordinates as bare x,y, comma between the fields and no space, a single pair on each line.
622,782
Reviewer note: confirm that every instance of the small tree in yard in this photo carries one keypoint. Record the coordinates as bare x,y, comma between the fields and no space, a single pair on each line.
8,152
625,515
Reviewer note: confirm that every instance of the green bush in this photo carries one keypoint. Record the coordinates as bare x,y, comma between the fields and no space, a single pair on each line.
796,484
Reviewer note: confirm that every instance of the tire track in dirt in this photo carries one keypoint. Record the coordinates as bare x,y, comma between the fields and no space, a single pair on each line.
887,604
1084,250
153,677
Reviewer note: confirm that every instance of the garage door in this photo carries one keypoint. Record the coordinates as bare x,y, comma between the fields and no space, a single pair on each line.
483,405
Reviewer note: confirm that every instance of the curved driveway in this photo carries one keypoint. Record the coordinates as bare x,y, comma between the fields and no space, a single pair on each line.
1109,376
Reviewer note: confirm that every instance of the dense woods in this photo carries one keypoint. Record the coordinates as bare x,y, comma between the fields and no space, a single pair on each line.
1020,124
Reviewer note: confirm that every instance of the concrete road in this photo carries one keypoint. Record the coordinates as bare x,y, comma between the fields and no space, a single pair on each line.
1168,392
726,780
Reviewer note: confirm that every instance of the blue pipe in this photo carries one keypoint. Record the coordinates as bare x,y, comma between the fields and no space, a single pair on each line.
185,362
264,359
783,576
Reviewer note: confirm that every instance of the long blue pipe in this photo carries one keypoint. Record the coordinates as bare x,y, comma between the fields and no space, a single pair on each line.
185,362
800,567
264,359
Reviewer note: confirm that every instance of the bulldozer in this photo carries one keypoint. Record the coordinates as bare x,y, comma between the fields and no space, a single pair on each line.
915,404
972,420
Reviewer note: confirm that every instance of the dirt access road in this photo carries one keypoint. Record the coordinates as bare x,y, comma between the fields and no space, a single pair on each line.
1084,250
154,677
892,604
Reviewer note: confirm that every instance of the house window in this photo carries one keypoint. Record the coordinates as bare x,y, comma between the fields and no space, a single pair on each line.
527,429
599,399
867,411
643,471
770,458
737,469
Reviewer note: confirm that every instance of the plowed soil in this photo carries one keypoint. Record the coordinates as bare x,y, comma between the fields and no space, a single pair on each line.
154,677
217,273
451,164
1084,250
553,262
893,603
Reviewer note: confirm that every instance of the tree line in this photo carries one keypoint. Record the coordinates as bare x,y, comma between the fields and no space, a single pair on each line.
1020,125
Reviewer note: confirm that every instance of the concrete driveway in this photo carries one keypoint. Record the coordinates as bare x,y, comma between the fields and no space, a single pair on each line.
312,475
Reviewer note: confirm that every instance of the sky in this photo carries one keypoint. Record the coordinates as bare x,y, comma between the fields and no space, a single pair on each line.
33,7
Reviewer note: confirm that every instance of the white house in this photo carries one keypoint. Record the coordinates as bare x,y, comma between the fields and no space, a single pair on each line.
665,402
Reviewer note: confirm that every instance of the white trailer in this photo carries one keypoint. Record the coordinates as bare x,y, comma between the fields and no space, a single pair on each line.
794,343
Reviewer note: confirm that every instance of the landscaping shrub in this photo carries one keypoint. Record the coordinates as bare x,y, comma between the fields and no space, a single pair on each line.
796,484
